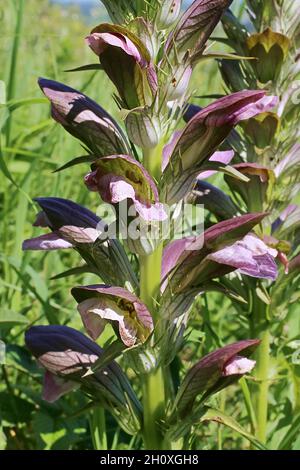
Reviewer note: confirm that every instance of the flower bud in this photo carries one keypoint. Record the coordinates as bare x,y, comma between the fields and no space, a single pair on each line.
143,129
214,372
84,119
167,13
178,83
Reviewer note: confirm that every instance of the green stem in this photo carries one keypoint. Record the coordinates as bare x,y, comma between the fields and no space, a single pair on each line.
98,428
154,406
262,369
150,274
150,269
153,390
262,332
152,160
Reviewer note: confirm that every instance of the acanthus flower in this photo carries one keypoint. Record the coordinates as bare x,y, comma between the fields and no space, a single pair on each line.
120,177
100,304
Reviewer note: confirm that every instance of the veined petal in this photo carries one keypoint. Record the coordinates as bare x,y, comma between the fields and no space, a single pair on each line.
191,263
195,26
247,260
154,212
215,371
96,314
236,107
204,133
238,365
49,241
98,42
126,61
67,355
55,387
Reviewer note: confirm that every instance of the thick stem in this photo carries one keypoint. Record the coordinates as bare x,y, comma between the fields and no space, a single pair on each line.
150,269
261,331
152,160
262,370
150,274
154,406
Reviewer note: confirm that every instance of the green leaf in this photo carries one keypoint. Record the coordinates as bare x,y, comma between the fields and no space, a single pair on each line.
2,439
213,414
10,319
109,354
16,410
227,169
73,271
16,104
291,435
85,67
20,358
2,92
76,161
219,55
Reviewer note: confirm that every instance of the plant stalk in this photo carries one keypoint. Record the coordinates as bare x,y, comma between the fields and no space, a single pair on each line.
150,274
262,332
